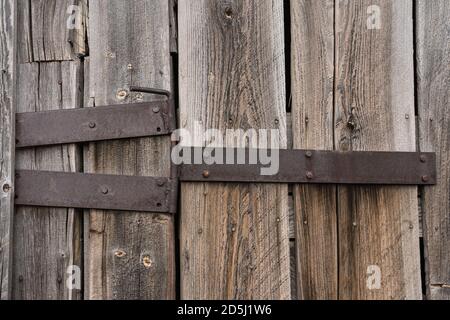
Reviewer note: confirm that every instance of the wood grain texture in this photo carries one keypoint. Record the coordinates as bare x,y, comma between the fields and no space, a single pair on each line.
129,255
8,20
173,25
374,111
47,240
234,238
312,78
44,34
433,75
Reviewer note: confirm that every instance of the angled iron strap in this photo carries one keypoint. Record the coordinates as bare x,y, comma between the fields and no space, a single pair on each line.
157,194
96,124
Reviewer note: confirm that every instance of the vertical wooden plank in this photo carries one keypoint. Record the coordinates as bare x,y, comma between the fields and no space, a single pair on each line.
8,11
374,110
234,238
312,56
130,255
47,240
433,75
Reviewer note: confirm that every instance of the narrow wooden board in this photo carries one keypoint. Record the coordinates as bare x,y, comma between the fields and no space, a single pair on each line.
129,255
47,240
433,76
47,31
312,67
374,110
234,238
8,20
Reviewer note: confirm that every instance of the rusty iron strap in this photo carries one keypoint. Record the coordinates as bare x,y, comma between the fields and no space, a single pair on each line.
96,191
94,124
152,194
318,167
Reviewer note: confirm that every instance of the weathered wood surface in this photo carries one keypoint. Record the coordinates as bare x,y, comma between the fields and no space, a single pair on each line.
374,110
173,25
129,255
8,20
47,30
234,238
433,75
47,240
312,56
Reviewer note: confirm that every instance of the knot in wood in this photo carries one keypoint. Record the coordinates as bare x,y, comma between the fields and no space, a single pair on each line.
120,253
147,262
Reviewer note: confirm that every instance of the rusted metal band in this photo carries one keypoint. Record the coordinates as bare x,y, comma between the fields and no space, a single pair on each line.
321,167
95,191
152,194
94,124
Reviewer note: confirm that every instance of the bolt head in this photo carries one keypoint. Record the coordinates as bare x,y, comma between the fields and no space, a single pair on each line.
156,110
425,178
423,158
308,154
105,190
309,175
92,125
206,174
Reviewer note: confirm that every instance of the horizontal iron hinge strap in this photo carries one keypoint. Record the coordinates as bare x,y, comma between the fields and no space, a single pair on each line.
317,167
153,194
94,124
96,191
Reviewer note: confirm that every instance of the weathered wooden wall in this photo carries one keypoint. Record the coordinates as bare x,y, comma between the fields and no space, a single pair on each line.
329,74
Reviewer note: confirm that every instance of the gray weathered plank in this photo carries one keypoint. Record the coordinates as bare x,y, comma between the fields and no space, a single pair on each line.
47,240
234,238
8,20
374,110
46,31
433,62
312,55
129,255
